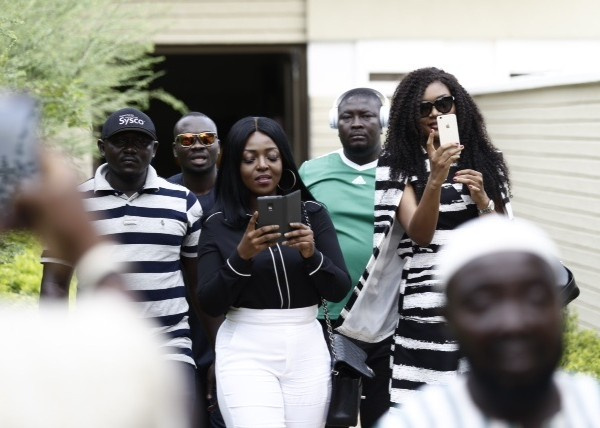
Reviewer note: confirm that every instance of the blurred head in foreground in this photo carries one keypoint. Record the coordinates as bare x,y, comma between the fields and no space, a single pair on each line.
98,366
503,306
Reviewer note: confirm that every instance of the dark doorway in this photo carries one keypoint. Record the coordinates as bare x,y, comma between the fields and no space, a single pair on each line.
228,84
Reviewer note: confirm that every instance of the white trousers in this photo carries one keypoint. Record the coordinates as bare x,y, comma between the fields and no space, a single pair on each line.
273,369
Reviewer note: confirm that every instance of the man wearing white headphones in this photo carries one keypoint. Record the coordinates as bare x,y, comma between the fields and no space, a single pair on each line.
344,181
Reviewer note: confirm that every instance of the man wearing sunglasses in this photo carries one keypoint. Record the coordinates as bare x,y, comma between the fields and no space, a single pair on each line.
196,148
154,226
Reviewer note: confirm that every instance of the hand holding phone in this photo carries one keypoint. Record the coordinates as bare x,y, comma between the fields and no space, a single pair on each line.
280,210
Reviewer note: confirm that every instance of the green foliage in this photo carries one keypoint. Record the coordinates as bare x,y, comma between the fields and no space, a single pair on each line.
12,244
582,348
82,58
20,268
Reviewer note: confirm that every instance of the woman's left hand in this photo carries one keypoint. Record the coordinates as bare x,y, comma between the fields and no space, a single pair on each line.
474,182
301,238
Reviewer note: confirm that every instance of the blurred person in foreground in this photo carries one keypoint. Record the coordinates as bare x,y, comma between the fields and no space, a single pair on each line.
154,228
196,148
504,308
69,369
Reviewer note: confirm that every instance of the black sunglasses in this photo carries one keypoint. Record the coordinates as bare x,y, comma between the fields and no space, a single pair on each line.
140,143
443,105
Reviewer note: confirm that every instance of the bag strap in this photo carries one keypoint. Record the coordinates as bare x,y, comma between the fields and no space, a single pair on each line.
323,301
329,328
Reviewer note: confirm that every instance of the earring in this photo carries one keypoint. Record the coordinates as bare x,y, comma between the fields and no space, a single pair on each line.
293,184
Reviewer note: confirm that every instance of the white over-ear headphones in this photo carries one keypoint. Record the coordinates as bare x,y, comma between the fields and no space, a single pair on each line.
384,110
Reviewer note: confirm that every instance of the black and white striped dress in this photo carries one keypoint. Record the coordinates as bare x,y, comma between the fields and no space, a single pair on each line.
423,351
401,271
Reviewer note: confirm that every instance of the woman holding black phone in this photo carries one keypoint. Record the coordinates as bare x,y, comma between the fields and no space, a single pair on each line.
272,362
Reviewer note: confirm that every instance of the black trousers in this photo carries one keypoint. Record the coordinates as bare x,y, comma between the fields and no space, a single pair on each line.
377,390
204,357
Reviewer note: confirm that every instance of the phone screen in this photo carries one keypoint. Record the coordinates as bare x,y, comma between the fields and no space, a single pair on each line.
19,118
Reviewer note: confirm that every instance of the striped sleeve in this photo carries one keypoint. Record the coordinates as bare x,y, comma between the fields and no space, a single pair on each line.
194,214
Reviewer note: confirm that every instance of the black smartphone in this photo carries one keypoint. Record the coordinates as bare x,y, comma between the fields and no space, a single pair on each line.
19,151
280,210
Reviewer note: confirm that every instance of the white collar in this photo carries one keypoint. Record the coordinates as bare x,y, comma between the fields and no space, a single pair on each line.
354,165
102,184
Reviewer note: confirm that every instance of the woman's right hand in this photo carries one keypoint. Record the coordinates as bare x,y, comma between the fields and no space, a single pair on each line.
441,159
256,240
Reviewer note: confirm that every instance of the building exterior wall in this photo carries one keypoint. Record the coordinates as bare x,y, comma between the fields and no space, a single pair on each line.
323,138
335,20
334,67
550,137
481,43
226,21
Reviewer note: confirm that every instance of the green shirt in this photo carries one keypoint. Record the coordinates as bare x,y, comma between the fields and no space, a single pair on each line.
348,191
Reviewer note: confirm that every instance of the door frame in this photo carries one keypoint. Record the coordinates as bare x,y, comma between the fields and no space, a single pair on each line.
295,96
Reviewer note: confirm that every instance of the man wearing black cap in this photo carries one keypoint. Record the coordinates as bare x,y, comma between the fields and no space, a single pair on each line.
154,226
128,144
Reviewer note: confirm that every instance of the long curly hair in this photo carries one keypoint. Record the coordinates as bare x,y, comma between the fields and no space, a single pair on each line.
405,138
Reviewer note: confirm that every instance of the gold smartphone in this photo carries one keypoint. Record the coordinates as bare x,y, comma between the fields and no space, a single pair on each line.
448,129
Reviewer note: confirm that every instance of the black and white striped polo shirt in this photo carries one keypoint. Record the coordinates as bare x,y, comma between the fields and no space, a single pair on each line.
153,229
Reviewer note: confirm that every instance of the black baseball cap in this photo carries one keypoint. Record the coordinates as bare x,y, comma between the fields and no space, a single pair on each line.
128,119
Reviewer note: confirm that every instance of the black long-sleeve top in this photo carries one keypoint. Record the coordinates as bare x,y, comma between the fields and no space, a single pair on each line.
277,278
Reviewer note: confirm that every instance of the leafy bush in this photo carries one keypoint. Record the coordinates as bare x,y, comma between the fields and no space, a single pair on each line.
20,268
83,59
582,348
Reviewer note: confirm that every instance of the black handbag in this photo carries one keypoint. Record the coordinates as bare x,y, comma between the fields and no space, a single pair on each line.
568,287
348,366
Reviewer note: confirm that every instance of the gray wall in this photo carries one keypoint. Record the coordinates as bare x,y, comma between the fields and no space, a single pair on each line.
551,139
